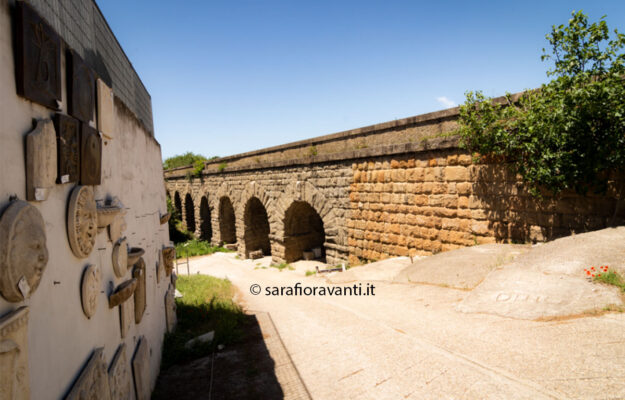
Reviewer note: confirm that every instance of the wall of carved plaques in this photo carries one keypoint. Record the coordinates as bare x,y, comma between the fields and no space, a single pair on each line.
82,270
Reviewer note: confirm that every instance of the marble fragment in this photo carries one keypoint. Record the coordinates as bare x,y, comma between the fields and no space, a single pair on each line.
40,160
141,369
14,379
93,382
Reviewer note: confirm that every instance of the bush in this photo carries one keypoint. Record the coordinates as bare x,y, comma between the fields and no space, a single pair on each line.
195,247
569,133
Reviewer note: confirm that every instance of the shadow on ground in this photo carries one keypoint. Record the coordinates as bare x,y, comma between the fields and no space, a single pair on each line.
242,370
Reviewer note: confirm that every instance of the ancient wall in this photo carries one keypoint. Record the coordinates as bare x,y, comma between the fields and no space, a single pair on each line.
60,257
406,195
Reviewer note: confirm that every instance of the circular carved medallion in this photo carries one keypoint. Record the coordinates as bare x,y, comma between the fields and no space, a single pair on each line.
23,252
90,289
120,258
82,221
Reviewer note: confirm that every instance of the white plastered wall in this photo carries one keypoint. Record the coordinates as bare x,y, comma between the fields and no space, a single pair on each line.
60,337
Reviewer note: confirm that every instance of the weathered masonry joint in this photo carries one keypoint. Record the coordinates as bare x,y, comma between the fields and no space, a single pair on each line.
393,189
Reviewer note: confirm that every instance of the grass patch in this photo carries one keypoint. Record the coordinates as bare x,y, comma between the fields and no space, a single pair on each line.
282,266
206,305
611,278
310,272
195,247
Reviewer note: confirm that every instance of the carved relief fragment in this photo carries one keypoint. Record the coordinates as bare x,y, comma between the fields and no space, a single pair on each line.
93,382
138,272
14,381
122,292
68,148
134,254
169,253
126,315
120,379
117,226
90,156
90,289
106,109
108,211
164,218
40,160
81,88
160,267
82,219
141,369
23,251
38,62
170,308
120,258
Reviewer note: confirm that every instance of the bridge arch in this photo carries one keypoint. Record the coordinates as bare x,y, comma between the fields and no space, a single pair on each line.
257,220
189,213
206,229
304,204
177,204
224,202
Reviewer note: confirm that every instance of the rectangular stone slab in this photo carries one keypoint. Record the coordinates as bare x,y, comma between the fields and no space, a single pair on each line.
38,58
120,378
93,382
40,160
106,116
170,308
90,156
141,370
68,148
80,88
14,355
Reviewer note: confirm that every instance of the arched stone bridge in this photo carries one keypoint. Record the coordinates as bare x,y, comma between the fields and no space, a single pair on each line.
393,189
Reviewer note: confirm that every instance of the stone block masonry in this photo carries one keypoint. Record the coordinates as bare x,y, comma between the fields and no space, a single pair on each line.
414,192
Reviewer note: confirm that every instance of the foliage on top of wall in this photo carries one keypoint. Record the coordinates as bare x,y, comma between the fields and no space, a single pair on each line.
571,131
183,160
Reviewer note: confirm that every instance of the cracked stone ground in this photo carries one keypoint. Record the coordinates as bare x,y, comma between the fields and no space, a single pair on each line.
408,341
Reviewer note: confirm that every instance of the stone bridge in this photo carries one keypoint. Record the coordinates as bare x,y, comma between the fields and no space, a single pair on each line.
394,189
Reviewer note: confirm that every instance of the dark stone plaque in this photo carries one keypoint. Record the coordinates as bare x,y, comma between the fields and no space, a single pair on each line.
68,151
90,156
81,88
38,62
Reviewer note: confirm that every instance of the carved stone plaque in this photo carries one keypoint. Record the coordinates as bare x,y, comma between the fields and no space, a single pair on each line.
170,308
40,160
122,292
81,88
68,148
90,289
160,267
90,156
141,369
82,221
23,251
14,355
120,258
126,316
169,253
120,378
106,119
138,272
117,226
38,62
164,218
93,382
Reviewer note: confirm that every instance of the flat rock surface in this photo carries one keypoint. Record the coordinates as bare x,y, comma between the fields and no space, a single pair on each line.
409,342
462,268
384,270
549,280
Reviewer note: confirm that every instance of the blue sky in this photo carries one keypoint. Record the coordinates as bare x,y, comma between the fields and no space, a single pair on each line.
233,76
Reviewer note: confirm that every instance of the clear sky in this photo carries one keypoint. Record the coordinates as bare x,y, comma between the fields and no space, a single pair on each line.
233,76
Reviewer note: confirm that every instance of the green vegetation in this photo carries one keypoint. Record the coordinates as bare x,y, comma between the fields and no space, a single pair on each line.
282,266
611,278
310,272
195,247
568,134
177,233
222,166
312,151
184,160
206,305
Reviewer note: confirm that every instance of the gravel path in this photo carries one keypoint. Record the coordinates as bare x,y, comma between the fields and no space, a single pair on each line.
408,341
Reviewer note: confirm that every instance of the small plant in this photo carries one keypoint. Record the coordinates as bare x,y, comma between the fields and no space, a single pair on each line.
198,167
282,266
195,247
222,166
312,150
310,272
604,275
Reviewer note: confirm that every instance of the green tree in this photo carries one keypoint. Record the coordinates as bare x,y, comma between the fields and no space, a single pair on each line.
569,133
183,160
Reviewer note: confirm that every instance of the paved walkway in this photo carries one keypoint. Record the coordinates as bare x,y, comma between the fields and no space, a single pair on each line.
408,342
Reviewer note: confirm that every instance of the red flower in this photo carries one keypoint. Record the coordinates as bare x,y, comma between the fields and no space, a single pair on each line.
593,275
598,275
593,268
587,272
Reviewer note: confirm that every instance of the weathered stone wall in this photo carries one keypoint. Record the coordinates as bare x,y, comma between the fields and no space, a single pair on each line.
407,198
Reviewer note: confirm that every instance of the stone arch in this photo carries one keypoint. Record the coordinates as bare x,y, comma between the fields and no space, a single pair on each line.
206,230
215,202
227,221
303,233
189,214
301,191
177,204
256,228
